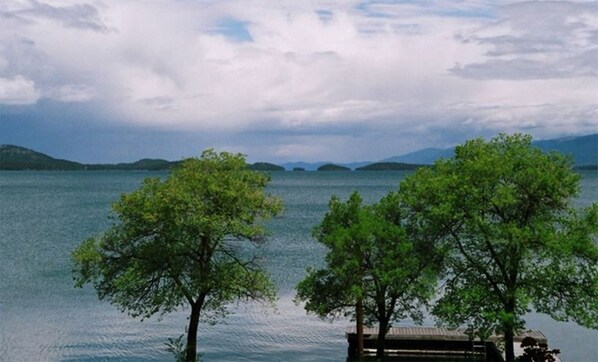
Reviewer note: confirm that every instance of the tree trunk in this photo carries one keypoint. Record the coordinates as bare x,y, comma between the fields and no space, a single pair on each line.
191,355
508,331
380,344
359,327
509,348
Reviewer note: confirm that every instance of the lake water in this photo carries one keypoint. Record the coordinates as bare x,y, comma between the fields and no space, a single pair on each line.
45,215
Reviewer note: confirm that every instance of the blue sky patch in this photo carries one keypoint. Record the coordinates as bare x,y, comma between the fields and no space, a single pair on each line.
325,15
233,29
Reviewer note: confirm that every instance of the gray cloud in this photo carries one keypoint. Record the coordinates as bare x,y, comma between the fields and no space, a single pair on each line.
80,16
19,55
304,79
537,40
525,69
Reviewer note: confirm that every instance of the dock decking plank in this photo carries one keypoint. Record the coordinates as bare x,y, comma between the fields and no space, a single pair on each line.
427,333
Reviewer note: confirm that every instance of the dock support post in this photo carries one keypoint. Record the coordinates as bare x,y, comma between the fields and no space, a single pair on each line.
359,322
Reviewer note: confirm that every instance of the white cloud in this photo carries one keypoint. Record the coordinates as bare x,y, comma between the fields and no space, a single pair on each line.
408,65
538,40
17,91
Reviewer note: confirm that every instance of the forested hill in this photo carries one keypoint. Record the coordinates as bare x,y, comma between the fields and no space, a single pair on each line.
21,158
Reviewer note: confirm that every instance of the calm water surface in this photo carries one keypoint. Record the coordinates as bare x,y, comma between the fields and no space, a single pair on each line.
45,215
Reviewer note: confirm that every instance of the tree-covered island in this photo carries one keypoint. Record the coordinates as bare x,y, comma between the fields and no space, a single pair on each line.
332,167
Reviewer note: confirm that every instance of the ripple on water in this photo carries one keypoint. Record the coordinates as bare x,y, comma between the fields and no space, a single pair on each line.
252,332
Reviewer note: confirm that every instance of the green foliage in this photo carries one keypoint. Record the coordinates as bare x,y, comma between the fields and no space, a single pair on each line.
536,352
372,258
502,211
184,240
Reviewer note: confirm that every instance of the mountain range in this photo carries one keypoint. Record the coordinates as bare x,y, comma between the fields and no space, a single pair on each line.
583,149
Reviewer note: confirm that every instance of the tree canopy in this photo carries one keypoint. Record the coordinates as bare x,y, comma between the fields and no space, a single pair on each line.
373,266
503,209
184,241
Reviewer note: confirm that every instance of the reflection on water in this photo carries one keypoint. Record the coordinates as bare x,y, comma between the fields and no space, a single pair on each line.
44,215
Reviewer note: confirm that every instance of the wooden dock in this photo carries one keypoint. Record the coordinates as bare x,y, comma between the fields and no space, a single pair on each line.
429,343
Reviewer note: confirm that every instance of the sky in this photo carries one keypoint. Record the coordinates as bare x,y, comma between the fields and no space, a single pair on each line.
310,80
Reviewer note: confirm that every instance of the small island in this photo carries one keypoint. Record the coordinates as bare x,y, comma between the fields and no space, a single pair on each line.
333,167
265,166
298,169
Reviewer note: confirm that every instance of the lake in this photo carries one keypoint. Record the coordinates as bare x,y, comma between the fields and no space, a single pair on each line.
45,215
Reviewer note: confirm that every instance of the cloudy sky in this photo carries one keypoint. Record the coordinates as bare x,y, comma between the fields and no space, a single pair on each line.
118,80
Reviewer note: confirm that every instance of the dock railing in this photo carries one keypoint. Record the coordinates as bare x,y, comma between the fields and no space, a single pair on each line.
436,343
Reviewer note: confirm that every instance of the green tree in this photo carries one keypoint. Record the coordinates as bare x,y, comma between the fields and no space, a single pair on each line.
374,269
188,240
502,209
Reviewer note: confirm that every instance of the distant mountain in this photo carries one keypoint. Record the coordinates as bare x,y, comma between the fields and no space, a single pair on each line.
584,151
20,158
389,166
146,164
426,156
